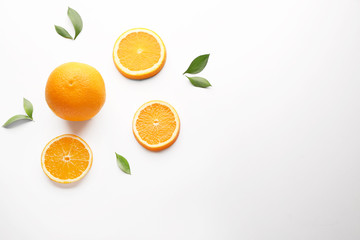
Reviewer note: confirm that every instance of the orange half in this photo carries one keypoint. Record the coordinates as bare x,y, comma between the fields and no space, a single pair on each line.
139,53
66,159
156,125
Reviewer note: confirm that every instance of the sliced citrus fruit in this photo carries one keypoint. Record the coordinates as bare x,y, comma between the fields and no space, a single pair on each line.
156,125
139,53
66,159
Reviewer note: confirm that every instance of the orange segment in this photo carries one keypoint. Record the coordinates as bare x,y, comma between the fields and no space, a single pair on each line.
156,125
66,159
139,53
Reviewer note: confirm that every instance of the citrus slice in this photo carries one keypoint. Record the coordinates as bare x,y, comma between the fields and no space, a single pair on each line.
66,159
156,125
139,53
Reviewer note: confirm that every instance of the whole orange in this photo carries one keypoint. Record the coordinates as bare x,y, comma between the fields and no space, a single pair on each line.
75,91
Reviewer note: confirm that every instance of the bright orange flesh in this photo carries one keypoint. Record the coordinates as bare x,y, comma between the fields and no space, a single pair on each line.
66,159
139,53
156,125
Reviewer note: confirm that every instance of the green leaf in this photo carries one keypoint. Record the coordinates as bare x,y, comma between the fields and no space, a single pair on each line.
75,20
123,164
62,32
28,107
198,64
16,118
199,82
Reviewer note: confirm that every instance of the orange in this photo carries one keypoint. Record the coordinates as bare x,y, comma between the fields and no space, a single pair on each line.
75,91
139,53
66,159
156,125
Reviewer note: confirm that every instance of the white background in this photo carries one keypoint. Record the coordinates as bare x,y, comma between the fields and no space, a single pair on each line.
271,151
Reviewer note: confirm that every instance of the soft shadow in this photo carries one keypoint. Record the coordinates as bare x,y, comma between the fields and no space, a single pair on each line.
142,80
164,151
138,80
18,123
77,127
66,185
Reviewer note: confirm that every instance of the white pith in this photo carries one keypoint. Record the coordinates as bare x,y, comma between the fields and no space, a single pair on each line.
172,136
145,71
70,179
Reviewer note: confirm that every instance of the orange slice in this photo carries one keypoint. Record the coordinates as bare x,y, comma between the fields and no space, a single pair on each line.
156,125
66,159
139,53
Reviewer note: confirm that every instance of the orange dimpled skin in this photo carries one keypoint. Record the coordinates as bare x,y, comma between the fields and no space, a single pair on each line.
75,91
66,159
156,125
